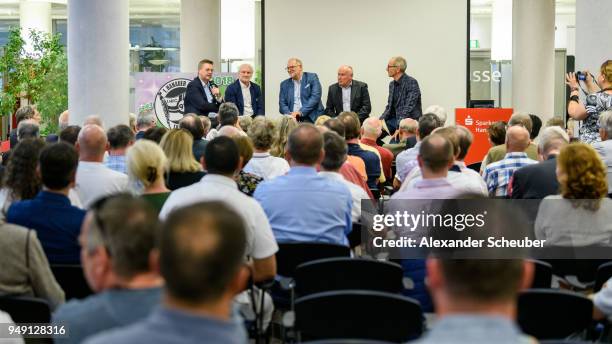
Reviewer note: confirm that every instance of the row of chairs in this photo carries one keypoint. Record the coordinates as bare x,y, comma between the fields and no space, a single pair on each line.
588,273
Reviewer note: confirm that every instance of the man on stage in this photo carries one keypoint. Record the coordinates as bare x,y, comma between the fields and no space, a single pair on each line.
404,95
245,94
202,96
300,95
348,95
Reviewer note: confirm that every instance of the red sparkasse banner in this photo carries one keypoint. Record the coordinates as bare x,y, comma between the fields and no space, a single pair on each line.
477,121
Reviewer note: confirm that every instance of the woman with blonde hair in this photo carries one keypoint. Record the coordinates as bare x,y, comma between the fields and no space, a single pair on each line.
285,126
582,214
146,163
182,168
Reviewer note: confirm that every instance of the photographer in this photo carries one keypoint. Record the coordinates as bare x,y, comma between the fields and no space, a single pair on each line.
599,99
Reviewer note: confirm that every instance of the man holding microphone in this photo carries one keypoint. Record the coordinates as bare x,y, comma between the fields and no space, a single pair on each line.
203,96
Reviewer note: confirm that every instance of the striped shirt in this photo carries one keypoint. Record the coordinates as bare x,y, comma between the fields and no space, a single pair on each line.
116,163
497,175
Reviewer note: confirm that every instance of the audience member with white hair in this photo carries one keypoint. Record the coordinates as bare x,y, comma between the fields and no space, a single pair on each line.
540,180
371,130
63,120
406,137
94,180
604,147
94,119
145,120
262,163
438,111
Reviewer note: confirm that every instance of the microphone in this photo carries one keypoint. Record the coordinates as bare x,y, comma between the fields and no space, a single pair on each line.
218,97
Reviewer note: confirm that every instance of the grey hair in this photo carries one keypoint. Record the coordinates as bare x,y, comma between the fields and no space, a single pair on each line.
438,111
145,119
401,62
262,133
552,138
27,129
605,122
228,111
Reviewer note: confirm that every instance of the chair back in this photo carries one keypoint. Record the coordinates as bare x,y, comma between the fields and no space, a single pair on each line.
72,280
23,309
542,277
290,255
604,272
358,314
347,273
553,314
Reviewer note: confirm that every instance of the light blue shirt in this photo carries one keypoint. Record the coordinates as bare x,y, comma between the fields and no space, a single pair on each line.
305,207
297,97
406,161
346,97
209,95
473,328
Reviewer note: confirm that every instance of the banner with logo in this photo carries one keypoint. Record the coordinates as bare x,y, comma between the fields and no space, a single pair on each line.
164,93
477,121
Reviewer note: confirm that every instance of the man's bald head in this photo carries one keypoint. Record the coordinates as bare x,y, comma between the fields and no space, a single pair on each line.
436,153
305,145
517,139
92,143
371,128
229,131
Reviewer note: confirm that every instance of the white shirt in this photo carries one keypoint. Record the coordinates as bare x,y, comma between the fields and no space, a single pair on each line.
213,187
357,193
346,97
267,166
466,182
209,95
297,97
246,99
94,181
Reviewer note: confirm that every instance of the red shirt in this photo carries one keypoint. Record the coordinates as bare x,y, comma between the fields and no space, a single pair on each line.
350,173
386,156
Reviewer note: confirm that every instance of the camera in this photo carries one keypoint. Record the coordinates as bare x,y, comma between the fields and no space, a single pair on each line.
581,76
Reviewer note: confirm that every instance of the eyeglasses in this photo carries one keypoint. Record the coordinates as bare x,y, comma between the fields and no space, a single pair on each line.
288,68
391,66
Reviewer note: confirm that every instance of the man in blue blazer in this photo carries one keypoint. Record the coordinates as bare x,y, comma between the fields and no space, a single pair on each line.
245,94
300,95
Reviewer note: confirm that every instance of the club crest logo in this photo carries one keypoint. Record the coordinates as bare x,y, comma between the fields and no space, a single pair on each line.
170,102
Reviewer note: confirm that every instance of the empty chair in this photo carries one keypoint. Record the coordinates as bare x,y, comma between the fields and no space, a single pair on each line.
346,273
604,272
26,309
553,314
542,277
358,314
290,255
72,281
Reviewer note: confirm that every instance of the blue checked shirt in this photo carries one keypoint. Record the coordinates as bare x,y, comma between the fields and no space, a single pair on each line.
497,175
116,163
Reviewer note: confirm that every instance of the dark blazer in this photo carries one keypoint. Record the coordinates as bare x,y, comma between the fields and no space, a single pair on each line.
233,93
536,181
196,101
408,102
310,95
360,100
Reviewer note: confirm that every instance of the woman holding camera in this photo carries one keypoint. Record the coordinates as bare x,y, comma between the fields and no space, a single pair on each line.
598,100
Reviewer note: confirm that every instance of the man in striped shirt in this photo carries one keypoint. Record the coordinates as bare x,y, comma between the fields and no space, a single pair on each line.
497,175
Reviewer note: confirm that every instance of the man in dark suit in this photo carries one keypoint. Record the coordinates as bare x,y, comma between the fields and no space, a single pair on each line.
202,96
300,95
245,94
348,95
540,180
404,95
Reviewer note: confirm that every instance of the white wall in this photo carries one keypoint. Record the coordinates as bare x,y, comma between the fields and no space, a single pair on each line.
325,34
593,32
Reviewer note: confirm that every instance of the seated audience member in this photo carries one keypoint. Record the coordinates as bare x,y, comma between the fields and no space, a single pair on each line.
26,273
206,124
228,116
120,137
247,182
263,163
407,160
132,122
193,125
540,180
498,174
536,126
301,205
353,164
406,136
439,111
371,160
155,134
64,120
146,163
222,161
245,123
20,180
321,120
470,311
336,151
370,132
23,113
473,178
94,119
182,170
70,134
604,147
28,129
201,259
285,126
56,222
435,158
582,214
145,121
497,133
93,179
556,122
118,241
498,153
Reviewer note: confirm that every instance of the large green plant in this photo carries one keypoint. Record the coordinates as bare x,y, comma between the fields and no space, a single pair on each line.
39,74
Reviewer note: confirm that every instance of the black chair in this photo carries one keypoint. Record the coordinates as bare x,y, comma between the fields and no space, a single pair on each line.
603,274
553,314
358,314
290,255
347,273
72,280
543,274
375,193
24,309
354,237
475,166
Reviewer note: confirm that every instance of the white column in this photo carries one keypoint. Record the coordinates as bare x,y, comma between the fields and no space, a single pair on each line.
200,33
533,57
34,14
593,28
98,60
